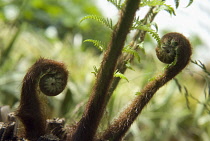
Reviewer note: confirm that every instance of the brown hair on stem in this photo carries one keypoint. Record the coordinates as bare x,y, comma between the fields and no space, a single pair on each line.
87,126
174,49
47,77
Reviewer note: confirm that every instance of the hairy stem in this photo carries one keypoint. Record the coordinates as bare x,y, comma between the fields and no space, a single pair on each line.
88,125
45,76
182,49
138,38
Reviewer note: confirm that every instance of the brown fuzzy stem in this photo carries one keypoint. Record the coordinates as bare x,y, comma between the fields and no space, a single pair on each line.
87,126
170,43
48,77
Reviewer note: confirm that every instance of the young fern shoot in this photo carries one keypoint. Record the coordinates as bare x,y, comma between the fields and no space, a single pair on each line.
174,49
47,77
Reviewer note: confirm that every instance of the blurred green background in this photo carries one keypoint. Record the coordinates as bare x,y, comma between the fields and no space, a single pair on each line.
31,29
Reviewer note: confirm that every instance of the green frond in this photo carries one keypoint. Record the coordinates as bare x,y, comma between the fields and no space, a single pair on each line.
128,49
99,44
106,21
150,30
117,3
167,8
95,72
120,75
201,65
151,3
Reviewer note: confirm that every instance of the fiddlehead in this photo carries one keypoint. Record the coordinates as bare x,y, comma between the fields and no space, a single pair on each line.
174,49
45,76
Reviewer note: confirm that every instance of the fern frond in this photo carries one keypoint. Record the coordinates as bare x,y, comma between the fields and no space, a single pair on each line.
160,3
151,3
128,49
117,3
150,30
201,65
167,8
120,75
95,72
107,22
99,44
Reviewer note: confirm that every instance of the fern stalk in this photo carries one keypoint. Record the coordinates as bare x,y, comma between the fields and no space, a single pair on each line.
88,125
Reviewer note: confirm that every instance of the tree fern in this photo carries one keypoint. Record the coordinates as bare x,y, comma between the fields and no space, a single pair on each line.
99,44
106,21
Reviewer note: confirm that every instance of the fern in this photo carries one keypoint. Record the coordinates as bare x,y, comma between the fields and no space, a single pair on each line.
117,3
150,30
95,72
99,44
160,3
120,75
167,8
151,3
201,65
107,22
128,49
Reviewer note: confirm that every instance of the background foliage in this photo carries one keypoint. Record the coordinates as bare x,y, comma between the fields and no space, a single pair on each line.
52,29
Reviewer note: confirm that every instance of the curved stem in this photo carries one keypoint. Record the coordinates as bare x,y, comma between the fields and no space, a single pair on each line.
122,123
44,76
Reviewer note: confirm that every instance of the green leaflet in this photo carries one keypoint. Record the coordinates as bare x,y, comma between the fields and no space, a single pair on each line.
190,2
99,44
95,72
120,75
132,51
151,3
107,22
150,30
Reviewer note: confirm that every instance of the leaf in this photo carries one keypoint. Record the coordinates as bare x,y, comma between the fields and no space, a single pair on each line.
167,8
107,22
138,93
128,65
176,3
151,3
132,51
151,31
120,75
190,2
95,72
99,44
